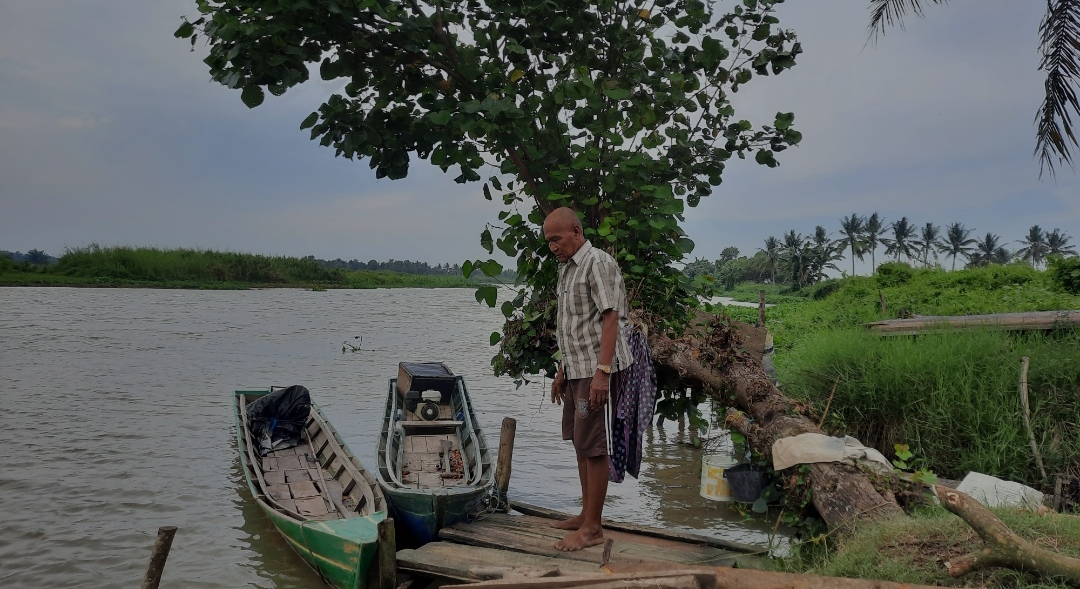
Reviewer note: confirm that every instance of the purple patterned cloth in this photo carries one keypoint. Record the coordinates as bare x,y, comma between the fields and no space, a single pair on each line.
634,410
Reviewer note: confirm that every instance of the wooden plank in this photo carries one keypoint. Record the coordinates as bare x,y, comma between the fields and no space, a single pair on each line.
288,463
387,554
422,425
278,492
295,476
536,536
1034,320
274,477
303,489
474,563
675,579
676,535
311,507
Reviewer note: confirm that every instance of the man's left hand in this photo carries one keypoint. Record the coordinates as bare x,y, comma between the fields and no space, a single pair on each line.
598,390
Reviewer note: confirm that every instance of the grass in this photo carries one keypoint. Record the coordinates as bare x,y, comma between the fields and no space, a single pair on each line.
952,397
914,550
185,268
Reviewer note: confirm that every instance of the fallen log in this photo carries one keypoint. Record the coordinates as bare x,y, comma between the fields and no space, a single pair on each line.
1003,548
1032,320
709,356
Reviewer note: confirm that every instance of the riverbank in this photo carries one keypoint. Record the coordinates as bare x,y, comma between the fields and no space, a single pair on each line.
208,270
952,398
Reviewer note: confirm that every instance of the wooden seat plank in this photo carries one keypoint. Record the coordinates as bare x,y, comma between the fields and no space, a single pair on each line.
311,507
278,492
303,489
472,563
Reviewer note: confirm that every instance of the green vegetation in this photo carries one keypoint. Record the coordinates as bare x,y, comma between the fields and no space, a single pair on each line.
910,550
184,268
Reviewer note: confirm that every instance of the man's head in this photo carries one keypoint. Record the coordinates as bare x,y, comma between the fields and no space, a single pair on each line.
562,230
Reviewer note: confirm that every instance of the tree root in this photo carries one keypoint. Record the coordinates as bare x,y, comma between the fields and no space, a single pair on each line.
1003,548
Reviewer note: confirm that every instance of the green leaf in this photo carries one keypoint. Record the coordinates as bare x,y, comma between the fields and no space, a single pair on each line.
186,30
784,120
685,245
487,294
440,118
508,309
252,95
310,121
495,338
467,269
490,268
760,506
486,241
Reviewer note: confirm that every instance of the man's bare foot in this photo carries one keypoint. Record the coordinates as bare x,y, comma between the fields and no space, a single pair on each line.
583,538
572,523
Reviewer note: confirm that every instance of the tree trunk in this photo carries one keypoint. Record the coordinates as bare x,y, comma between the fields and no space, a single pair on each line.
709,356
1003,548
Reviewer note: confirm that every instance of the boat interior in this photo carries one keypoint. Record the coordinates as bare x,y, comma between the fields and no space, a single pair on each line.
316,480
433,440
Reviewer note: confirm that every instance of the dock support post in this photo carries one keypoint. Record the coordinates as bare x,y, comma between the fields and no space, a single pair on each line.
387,556
761,308
157,557
506,457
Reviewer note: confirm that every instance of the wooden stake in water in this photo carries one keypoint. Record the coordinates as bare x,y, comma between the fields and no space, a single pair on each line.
506,458
157,557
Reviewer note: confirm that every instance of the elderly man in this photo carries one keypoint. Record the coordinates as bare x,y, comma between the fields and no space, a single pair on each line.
592,311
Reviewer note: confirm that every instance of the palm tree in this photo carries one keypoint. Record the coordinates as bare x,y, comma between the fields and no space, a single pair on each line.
795,259
772,253
988,251
1057,244
872,236
903,240
958,242
931,242
1059,45
852,229
822,256
1035,248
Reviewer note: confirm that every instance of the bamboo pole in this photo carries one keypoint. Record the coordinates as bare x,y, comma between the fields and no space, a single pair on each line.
505,459
881,297
387,555
761,308
157,557
1027,415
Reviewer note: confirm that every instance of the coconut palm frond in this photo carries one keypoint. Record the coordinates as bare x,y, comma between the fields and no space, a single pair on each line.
1059,44
887,13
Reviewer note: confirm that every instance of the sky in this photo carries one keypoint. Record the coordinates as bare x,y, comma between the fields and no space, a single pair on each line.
111,132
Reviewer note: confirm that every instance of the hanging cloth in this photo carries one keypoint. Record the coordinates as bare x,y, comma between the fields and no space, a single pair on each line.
634,409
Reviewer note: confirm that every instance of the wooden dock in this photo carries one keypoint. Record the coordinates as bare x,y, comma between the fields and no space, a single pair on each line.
516,545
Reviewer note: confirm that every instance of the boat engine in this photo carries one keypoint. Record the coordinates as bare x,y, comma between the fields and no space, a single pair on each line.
428,407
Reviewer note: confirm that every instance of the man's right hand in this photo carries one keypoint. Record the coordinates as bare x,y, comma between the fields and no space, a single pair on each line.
558,387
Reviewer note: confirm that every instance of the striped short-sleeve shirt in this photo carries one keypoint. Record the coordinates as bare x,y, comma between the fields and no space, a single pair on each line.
590,283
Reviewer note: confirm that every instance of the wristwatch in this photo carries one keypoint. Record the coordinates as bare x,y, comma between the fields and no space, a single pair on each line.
605,368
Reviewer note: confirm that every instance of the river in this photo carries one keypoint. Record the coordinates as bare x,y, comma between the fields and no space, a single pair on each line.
115,420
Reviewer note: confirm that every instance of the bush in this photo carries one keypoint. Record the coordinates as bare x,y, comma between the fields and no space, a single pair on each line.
894,274
6,265
1065,273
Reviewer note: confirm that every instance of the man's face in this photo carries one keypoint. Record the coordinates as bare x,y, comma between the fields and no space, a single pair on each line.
563,240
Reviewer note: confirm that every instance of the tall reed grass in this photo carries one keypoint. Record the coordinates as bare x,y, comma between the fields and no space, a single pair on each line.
952,397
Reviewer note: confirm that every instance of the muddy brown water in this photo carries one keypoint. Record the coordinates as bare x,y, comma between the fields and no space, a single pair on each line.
115,420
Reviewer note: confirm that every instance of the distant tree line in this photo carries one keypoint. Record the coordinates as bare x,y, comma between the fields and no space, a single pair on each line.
35,257
800,261
401,266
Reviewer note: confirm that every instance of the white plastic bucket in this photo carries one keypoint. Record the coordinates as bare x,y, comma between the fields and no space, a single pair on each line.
713,484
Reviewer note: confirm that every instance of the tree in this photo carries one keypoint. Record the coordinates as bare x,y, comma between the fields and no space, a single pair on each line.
1059,46
772,253
988,251
1057,244
872,236
730,253
903,241
957,242
823,254
852,229
795,261
621,112
930,241
1035,247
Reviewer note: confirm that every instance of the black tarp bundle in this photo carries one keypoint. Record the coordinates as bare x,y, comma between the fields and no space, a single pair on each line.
276,420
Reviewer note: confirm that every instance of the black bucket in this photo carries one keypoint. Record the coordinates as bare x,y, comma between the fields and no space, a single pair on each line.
745,483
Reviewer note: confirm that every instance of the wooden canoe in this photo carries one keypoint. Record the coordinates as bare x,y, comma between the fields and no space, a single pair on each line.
320,498
411,466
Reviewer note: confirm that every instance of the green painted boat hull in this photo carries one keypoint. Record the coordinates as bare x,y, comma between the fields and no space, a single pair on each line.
342,551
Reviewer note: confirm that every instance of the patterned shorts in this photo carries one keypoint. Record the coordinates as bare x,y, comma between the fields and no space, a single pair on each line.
582,425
